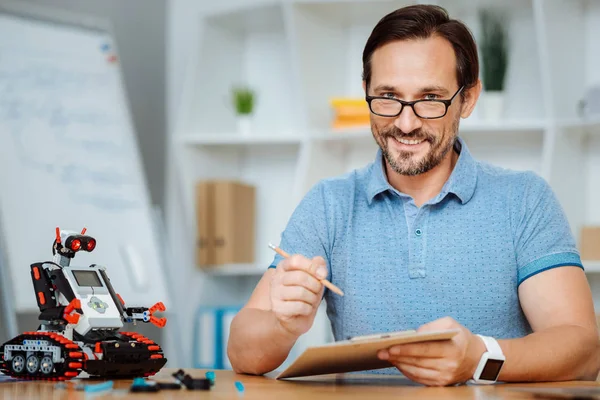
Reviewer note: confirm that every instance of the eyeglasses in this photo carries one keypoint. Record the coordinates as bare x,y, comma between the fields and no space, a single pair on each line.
426,109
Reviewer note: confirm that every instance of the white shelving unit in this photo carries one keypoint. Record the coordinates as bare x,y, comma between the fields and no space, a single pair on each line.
298,54
235,270
591,267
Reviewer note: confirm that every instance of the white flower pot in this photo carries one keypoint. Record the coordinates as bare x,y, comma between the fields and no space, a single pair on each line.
492,105
244,123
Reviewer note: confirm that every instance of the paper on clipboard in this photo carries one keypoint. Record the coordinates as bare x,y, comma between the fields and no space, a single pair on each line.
356,354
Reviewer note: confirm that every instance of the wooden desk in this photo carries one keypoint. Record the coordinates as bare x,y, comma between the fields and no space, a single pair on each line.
343,386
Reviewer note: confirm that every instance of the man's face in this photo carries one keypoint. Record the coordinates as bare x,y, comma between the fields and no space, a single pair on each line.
413,70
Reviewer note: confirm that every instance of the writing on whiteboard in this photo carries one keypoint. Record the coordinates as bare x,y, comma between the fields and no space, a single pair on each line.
66,121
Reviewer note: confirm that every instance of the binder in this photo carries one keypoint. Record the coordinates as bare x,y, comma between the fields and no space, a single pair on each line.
211,335
227,316
207,335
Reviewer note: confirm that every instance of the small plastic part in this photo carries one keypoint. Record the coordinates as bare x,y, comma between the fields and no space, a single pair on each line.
99,387
168,385
76,245
141,385
210,375
69,314
191,383
239,386
157,307
139,381
159,322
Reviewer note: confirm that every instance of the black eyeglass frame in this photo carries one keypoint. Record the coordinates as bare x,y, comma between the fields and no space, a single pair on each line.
411,104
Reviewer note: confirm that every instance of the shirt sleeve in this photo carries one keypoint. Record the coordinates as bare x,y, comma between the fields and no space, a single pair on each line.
306,232
543,237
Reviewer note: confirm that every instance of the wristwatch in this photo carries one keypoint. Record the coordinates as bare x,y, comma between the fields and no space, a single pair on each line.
491,362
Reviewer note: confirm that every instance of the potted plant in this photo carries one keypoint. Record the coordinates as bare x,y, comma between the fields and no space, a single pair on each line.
494,59
244,99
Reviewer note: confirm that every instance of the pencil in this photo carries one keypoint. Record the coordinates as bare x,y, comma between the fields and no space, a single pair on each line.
325,282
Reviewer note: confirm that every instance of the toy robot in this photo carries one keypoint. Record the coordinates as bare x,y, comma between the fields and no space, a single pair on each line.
81,315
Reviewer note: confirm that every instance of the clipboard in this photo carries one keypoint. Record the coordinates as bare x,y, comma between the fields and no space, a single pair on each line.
357,353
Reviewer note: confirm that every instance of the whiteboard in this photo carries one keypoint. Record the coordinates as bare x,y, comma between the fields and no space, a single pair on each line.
69,157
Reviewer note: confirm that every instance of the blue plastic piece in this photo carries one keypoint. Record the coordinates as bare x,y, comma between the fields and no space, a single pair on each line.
100,387
210,375
139,381
239,386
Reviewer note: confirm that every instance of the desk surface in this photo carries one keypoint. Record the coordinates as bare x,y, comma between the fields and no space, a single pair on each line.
324,387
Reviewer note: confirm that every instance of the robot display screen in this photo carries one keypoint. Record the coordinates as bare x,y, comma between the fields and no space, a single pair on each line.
87,278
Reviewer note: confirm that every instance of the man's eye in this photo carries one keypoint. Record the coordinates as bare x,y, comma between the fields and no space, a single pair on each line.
388,94
431,96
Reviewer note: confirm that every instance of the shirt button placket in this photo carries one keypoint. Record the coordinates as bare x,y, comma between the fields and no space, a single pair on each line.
418,257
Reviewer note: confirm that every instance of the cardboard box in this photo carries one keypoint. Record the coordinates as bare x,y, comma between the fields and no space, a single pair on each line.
590,243
234,221
226,223
205,254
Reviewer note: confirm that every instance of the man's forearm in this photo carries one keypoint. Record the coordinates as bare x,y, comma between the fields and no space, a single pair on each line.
555,354
257,343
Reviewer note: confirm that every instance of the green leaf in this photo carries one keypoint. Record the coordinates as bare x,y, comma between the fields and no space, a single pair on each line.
243,99
493,46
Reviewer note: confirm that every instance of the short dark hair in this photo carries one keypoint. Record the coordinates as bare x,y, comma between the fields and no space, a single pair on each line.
422,22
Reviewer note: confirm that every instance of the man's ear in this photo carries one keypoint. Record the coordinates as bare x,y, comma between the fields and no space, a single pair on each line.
365,87
471,97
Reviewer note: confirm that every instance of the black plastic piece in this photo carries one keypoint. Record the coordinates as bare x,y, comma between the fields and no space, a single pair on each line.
144,388
58,278
135,310
123,369
112,292
52,314
168,385
191,383
43,285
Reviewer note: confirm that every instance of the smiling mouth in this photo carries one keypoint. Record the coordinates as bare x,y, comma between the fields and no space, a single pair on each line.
409,142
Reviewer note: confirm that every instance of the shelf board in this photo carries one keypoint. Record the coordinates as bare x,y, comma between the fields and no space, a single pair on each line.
591,267
239,140
474,127
502,126
235,270
590,124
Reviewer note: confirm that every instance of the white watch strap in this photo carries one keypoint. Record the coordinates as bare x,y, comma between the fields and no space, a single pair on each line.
492,345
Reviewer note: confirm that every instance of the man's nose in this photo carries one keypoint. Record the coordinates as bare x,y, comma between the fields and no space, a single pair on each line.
408,121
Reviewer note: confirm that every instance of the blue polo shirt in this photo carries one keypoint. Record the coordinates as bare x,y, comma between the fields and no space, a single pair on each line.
462,254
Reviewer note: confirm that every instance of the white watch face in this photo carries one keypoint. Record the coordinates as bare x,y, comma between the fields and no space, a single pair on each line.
491,370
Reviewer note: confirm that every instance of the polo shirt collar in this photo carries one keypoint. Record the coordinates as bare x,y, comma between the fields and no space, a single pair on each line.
462,180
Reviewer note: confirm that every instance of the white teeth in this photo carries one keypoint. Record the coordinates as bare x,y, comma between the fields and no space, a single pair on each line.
404,141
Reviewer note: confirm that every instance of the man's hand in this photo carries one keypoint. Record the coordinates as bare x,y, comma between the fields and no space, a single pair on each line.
438,363
296,292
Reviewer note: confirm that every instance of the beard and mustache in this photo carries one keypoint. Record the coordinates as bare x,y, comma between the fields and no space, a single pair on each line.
404,164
